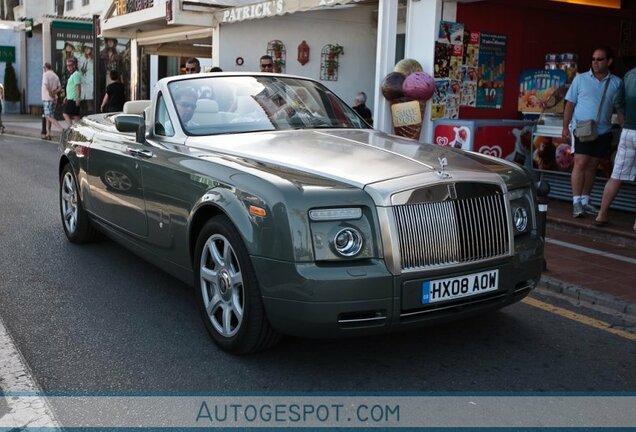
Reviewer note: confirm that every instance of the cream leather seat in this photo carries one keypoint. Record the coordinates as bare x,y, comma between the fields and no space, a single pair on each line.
136,107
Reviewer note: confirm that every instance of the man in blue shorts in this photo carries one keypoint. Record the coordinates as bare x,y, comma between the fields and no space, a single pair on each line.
582,103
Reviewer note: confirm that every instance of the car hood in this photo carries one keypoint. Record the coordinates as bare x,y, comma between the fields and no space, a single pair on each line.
358,157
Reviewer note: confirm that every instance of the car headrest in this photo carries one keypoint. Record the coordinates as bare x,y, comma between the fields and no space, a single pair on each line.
207,106
136,107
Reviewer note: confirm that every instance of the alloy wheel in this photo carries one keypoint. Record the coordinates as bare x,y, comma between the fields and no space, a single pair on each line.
222,286
69,202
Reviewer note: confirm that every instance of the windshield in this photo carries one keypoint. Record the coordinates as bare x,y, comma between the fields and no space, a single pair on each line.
233,104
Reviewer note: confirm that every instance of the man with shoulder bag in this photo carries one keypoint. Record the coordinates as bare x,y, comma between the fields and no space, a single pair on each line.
587,122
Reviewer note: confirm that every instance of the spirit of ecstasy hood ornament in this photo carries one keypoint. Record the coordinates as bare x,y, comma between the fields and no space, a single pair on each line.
443,163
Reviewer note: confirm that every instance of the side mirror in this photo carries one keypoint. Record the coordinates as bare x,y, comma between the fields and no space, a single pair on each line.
132,123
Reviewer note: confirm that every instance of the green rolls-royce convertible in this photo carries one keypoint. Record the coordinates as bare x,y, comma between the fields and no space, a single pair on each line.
290,215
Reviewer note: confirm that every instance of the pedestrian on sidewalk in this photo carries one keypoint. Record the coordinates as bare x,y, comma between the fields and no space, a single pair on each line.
1,103
50,88
361,108
625,160
73,93
192,66
115,94
590,97
266,63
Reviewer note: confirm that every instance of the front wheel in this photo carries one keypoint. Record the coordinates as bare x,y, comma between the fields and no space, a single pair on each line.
227,290
77,225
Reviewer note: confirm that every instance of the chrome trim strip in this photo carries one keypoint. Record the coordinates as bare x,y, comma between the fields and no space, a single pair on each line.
389,239
452,232
451,306
355,320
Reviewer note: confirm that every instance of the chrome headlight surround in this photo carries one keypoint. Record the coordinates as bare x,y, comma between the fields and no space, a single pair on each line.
348,242
521,210
341,233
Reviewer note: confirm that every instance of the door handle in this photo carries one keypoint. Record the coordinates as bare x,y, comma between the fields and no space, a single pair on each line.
139,152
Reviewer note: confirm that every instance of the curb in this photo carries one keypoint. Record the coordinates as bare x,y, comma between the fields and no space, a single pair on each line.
29,133
587,295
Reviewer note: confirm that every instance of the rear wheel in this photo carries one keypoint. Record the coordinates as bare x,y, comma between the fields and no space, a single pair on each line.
227,291
77,225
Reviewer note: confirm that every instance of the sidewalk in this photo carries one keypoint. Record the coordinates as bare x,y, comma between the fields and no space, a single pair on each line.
590,263
584,262
28,125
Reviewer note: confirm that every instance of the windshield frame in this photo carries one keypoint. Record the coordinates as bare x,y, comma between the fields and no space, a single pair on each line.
258,103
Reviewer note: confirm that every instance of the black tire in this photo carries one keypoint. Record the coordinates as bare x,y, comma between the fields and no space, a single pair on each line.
228,295
75,221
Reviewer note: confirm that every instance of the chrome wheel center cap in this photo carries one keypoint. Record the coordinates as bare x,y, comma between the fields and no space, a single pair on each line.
225,282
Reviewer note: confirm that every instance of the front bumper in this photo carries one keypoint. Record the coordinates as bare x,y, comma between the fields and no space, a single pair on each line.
313,300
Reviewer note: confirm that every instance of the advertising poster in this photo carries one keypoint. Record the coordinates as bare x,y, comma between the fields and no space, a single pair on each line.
492,65
451,33
536,87
440,97
448,70
469,70
443,54
114,54
95,59
73,40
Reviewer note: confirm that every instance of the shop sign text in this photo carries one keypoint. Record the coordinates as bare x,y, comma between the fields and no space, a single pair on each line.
258,10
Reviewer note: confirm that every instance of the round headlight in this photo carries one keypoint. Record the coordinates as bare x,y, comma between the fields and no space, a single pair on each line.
348,242
520,219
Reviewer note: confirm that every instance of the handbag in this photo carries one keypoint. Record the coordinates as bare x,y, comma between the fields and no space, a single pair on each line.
586,129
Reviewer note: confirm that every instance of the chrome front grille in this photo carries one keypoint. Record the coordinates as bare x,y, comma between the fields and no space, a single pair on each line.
452,232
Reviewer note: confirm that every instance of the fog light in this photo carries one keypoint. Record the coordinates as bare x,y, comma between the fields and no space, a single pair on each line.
521,219
348,242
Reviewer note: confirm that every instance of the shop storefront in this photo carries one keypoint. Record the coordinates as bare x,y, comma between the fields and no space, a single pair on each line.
491,60
546,44
170,31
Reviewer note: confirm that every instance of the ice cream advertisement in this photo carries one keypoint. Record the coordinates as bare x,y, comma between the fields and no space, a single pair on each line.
492,67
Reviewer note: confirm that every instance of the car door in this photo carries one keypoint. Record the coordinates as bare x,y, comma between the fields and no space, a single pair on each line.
169,188
114,175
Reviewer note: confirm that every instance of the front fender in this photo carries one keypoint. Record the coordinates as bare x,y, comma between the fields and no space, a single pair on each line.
266,236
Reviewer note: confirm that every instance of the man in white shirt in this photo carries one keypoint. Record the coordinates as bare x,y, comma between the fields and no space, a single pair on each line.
50,88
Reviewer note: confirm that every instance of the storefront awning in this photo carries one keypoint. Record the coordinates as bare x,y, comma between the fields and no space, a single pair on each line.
265,9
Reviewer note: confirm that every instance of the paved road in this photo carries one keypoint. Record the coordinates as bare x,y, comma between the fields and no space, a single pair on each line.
98,318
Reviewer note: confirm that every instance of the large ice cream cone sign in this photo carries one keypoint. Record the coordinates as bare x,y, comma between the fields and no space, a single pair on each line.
408,88
407,118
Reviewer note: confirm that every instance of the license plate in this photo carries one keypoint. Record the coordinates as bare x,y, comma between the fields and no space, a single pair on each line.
461,286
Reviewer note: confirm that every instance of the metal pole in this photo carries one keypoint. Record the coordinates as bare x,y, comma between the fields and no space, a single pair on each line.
43,131
543,189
